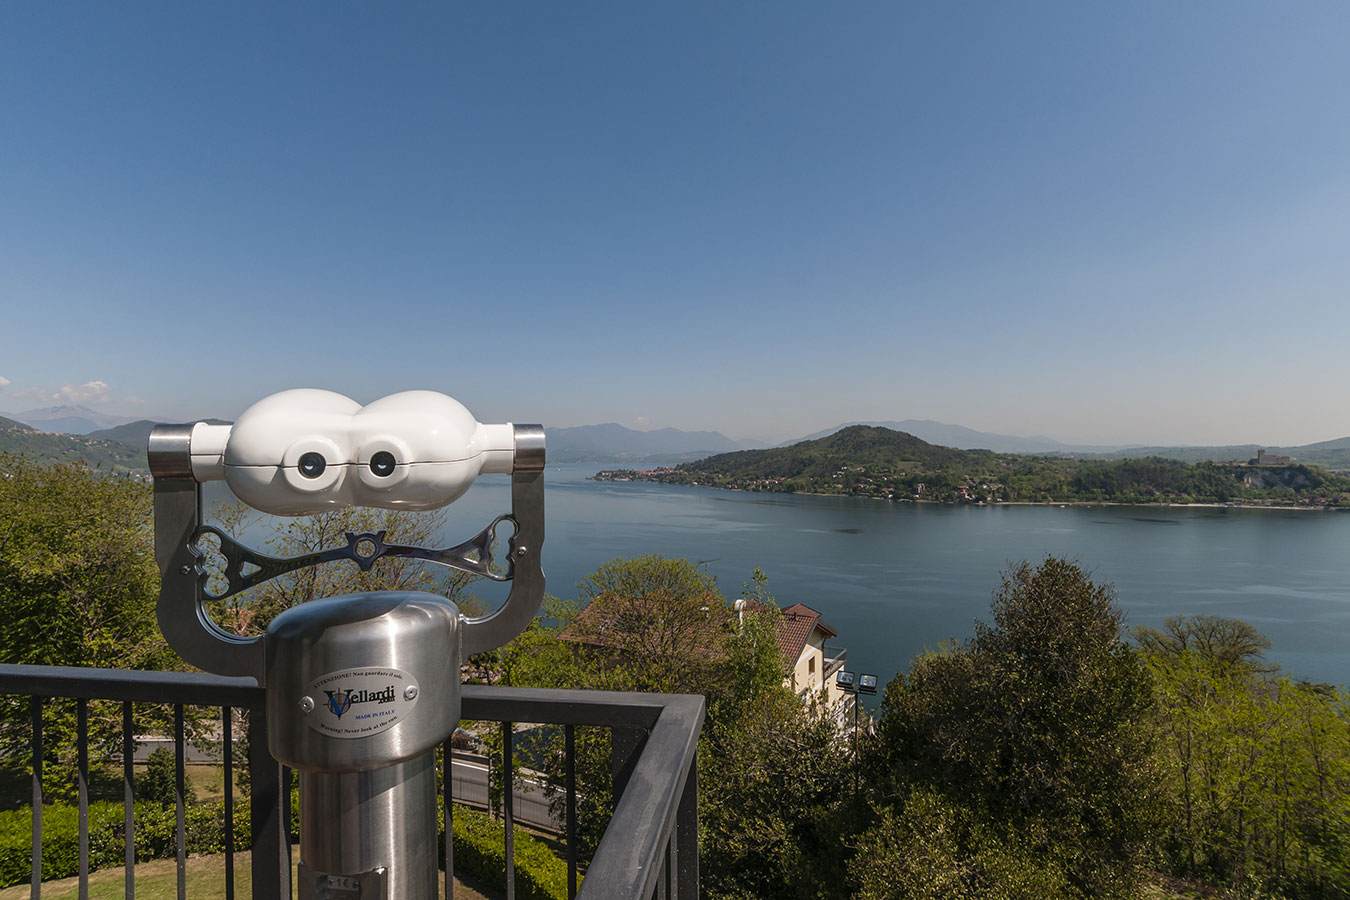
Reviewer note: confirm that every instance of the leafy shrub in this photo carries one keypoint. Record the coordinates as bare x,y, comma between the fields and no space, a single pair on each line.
480,849
157,782
155,827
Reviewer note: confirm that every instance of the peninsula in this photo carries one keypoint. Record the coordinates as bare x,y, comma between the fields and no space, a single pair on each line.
867,461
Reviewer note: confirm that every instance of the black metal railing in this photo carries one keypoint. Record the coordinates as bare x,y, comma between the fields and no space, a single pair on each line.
649,850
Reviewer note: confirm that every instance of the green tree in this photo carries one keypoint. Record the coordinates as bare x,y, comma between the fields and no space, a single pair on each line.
1040,723
772,786
78,584
158,783
659,622
926,847
770,766
1227,642
1257,771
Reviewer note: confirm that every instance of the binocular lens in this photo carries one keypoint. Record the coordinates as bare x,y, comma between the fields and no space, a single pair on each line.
312,464
382,464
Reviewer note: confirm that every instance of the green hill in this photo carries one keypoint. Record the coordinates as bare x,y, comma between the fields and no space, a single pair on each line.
16,437
137,434
878,449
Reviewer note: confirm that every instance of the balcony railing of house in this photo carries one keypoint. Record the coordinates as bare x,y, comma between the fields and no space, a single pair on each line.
649,850
833,663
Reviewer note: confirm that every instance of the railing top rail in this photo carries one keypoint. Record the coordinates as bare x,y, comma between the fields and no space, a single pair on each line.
89,683
492,703
551,706
628,861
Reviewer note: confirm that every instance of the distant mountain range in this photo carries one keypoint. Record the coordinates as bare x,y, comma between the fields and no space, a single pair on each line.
964,438
67,419
586,443
614,443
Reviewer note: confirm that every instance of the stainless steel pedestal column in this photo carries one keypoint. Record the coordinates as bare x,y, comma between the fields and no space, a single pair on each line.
361,690
378,827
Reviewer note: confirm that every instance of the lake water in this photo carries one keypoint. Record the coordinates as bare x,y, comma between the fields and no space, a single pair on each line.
894,578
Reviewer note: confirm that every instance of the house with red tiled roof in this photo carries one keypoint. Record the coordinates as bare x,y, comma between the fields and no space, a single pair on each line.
809,665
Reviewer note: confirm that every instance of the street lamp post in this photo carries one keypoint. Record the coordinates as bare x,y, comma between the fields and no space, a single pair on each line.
855,685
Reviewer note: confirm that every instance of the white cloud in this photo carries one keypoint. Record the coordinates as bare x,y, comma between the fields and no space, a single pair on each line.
88,392
4,382
642,420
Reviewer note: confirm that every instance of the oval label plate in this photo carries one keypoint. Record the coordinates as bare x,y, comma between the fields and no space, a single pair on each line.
360,702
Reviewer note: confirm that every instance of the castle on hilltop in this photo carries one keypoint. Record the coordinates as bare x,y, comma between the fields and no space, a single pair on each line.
1262,458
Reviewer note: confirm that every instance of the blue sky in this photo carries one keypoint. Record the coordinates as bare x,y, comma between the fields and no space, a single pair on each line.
1101,222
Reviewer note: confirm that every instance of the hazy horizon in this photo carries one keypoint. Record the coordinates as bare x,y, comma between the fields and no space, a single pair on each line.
773,440
1104,225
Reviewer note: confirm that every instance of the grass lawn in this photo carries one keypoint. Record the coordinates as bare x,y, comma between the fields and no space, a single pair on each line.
158,880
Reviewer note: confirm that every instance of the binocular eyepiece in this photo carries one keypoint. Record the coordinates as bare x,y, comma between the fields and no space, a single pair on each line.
305,451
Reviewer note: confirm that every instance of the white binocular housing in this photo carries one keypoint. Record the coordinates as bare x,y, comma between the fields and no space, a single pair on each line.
305,451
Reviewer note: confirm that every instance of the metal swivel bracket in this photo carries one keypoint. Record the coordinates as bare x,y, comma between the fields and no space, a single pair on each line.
182,548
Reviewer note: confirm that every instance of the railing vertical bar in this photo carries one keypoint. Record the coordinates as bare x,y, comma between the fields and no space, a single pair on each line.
672,879
128,804
288,778
180,811
35,885
82,790
686,837
625,749
269,878
570,753
227,754
447,780
508,795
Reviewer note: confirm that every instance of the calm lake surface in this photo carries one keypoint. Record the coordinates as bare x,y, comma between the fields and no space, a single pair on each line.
894,578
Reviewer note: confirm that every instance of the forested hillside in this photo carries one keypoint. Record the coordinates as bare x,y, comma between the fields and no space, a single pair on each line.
881,463
16,437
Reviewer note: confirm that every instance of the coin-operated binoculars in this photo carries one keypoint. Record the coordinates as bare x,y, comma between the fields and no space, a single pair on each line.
360,688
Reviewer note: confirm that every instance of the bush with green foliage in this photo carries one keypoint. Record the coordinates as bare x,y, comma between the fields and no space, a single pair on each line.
155,836
770,766
1033,739
480,848
1256,767
158,783
78,584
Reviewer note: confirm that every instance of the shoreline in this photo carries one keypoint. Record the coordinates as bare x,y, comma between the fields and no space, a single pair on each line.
1047,503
